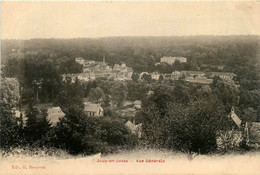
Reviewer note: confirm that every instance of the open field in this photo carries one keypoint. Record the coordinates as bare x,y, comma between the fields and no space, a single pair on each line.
126,163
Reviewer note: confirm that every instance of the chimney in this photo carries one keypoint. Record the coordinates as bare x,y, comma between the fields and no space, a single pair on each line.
104,59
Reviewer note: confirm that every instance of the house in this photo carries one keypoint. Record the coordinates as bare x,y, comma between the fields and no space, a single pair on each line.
223,75
54,115
193,73
83,77
150,93
234,117
155,75
176,75
199,80
69,77
92,109
137,104
134,129
171,60
88,63
141,75
166,76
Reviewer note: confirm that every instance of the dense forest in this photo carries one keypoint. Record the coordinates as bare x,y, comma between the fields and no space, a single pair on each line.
141,53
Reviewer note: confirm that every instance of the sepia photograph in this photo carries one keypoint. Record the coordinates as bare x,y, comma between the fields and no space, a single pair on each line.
130,88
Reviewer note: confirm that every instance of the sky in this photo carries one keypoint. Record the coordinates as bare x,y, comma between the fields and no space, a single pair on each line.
26,20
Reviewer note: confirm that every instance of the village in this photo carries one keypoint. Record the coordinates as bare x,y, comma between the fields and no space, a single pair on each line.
92,70
107,97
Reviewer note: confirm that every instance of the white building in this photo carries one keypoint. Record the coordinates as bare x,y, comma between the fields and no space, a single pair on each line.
171,60
137,104
80,60
54,115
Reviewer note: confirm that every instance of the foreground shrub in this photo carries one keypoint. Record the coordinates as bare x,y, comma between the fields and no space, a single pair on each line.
78,133
229,140
190,127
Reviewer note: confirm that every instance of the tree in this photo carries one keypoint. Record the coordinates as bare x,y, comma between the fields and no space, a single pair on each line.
161,78
45,72
147,78
195,127
69,66
70,96
135,77
137,90
96,95
89,86
65,100
106,102
37,126
88,135
118,93
226,92
8,101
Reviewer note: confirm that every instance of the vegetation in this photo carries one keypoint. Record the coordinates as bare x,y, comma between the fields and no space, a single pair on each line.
175,115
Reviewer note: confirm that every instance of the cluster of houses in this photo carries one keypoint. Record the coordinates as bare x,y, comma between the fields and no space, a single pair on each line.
189,76
54,114
192,76
96,69
202,77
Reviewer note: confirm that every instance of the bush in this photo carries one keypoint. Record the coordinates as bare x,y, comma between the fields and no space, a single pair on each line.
189,128
78,133
229,140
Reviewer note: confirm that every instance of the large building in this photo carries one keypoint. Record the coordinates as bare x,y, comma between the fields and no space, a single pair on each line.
171,60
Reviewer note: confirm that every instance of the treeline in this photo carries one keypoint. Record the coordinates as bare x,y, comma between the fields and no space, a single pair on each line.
40,76
141,53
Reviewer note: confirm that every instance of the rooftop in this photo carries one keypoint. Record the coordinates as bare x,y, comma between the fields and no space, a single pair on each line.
91,107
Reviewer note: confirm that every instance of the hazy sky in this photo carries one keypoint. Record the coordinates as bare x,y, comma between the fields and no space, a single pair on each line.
25,20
